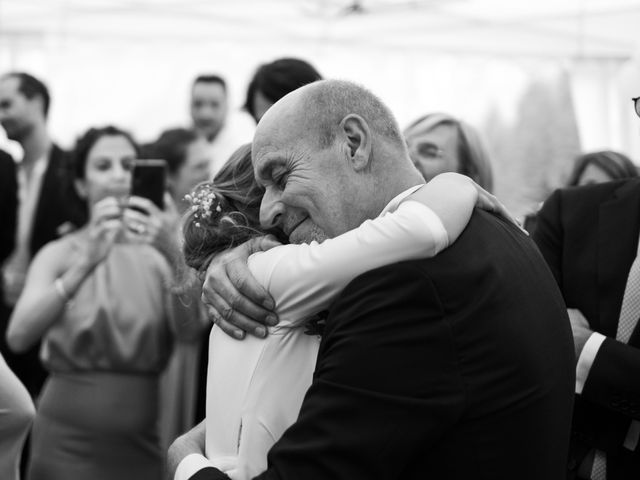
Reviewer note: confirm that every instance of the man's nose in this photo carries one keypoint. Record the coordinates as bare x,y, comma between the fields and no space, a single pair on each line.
271,210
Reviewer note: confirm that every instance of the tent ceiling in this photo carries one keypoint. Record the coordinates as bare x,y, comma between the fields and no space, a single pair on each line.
546,28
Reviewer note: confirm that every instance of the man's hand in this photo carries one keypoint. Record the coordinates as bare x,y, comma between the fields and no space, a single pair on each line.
235,300
580,329
191,442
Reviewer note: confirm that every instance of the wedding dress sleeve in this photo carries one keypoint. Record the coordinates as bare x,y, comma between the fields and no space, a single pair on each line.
304,279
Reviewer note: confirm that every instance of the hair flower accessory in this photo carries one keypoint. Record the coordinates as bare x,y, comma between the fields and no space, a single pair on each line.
203,201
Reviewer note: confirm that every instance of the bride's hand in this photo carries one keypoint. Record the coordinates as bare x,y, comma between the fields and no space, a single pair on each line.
488,201
235,301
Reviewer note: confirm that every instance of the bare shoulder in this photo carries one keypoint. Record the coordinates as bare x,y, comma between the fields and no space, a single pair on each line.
59,254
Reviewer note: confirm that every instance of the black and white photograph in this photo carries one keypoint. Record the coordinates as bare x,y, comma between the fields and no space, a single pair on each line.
319,240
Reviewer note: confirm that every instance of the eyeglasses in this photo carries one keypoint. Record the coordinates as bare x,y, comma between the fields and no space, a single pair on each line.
636,105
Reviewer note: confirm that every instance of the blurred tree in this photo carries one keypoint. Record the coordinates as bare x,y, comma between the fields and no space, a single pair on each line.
531,156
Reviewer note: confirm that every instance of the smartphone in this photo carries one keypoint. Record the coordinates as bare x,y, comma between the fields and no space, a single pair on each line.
149,180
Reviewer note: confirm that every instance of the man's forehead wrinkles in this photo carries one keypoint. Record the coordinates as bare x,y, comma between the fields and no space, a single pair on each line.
267,161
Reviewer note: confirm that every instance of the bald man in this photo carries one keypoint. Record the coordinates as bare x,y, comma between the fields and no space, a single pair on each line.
455,367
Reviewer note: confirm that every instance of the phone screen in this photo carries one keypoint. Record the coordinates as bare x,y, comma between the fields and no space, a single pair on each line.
149,180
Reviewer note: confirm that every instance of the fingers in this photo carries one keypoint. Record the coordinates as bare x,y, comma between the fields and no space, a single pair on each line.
109,230
143,204
231,305
224,291
106,209
260,304
490,202
266,242
233,322
145,228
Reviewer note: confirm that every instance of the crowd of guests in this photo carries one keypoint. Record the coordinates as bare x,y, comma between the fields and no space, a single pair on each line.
104,337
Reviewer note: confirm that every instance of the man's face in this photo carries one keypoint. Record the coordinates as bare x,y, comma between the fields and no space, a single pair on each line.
306,195
208,108
435,151
18,114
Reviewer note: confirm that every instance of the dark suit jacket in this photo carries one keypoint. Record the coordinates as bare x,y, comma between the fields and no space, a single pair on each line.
8,205
58,211
589,237
456,367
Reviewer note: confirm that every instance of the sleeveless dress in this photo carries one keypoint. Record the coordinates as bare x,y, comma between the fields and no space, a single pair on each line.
98,413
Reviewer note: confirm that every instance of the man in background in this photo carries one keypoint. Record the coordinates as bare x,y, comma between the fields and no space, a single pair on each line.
589,237
47,206
223,132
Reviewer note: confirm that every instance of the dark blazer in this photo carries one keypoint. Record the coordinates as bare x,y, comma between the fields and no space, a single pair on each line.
58,211
589,237
8,206
456,367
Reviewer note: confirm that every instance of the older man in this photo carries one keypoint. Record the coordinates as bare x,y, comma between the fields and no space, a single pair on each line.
455,367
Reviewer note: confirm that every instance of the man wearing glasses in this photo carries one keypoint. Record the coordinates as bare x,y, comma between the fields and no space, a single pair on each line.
589,237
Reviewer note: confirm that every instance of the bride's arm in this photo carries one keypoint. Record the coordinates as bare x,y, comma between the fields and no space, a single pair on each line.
304,279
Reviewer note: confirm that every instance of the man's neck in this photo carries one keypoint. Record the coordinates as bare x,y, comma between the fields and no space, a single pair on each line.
209,137
35,146
401,184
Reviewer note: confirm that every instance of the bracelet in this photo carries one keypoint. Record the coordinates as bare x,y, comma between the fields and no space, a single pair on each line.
62,292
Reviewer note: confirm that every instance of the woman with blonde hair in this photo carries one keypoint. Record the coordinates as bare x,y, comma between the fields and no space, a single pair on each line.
441,143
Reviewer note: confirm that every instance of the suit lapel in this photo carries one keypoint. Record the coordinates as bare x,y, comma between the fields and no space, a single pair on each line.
47,214
618,224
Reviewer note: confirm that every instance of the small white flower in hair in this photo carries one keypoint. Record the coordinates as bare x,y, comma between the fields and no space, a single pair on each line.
201,201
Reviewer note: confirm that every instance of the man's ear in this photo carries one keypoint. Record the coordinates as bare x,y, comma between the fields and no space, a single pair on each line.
358,136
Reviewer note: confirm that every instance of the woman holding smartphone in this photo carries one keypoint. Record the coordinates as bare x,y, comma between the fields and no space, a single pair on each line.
101,300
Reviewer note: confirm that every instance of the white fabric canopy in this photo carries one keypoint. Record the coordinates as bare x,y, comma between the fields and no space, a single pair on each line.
130,62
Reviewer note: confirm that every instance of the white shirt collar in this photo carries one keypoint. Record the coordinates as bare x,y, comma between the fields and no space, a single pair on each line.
395,201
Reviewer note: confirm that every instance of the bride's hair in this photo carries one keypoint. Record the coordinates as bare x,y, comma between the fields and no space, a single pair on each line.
224,212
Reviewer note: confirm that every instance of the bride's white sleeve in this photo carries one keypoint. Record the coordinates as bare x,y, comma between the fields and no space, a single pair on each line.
304,279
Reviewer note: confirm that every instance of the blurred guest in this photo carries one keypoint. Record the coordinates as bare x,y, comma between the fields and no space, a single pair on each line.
598,167
102,301
187,162
224,132
589,237
8,207
592,168
47,206
16,415
274,80
16,407
441,143
187,165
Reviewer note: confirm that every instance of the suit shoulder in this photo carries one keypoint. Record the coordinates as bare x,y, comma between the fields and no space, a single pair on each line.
401,283
597,193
